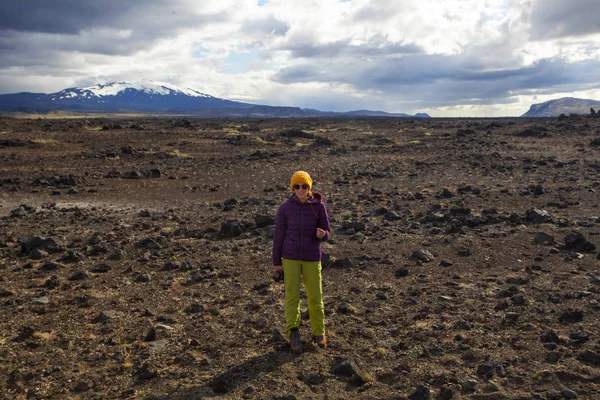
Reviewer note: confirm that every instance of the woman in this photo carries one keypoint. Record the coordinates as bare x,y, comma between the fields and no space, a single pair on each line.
301,224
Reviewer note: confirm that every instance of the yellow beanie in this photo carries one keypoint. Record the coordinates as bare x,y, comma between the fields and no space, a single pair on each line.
301,177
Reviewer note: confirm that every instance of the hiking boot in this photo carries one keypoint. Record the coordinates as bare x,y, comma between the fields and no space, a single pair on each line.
320,341
295,342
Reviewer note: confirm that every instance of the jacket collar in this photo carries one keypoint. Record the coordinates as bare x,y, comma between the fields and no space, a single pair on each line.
315,199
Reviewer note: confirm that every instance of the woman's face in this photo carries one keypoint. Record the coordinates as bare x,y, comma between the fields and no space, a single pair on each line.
301,191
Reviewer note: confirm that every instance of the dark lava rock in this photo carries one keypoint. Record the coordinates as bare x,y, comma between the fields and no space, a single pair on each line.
142,278
25,333
351,369
170,266
145,372
49,245
154,173
134,174
148,244
579,337
392,216
51,266
401,273
262,220
38,254
82,385
52,283
568,394
230,228
571,317
549,337
485,371
422,255
538,216
379,212
421,392
100,268
78,276
576,241
446,193
106,316
343,263
544,239
464,252
345,308
115,255
72,257
590,356
460,211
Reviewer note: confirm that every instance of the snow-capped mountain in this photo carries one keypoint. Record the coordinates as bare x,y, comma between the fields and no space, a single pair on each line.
116,88
147,96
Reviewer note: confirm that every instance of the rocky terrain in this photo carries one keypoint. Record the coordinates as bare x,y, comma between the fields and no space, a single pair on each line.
135,258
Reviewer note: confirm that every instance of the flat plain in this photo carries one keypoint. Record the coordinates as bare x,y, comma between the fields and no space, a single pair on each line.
135,258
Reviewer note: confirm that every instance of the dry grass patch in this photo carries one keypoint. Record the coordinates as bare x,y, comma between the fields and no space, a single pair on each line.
46,336
44,141
178,154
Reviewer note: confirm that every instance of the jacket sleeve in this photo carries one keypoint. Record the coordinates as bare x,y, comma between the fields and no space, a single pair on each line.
324,222
278,235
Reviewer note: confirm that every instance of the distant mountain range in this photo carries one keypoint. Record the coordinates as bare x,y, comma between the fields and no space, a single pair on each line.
565,105
155,97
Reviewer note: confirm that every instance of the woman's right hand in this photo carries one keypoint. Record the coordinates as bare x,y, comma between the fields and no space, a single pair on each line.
277,273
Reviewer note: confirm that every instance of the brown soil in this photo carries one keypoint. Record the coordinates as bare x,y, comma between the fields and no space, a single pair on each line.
135,262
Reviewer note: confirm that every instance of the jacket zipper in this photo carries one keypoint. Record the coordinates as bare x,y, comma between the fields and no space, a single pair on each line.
301,232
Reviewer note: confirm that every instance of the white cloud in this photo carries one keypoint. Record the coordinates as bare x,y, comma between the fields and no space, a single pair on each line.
449,58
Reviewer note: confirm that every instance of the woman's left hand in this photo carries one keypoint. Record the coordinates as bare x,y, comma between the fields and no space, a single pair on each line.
320,233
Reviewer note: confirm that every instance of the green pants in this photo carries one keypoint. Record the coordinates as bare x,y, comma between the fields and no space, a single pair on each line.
311,274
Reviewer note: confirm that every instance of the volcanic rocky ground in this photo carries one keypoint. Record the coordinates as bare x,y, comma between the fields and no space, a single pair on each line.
135,258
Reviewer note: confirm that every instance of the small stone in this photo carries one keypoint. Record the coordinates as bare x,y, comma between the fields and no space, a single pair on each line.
41,300
553,356
569,394
512,316
401,273
464,252
579,337
549,337
342,263
345,308
485,370
78,276
106,316
100,268
538,216
115,255
391,216
142,278
544,239
421,392
261,323
38,254
590,356
571,316
422,255
491,387
145,372
82,386
469,386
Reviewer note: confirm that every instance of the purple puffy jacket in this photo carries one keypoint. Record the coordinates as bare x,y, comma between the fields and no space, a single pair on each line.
295,235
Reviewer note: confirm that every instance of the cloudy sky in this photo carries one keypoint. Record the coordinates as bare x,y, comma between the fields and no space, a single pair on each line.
446,58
